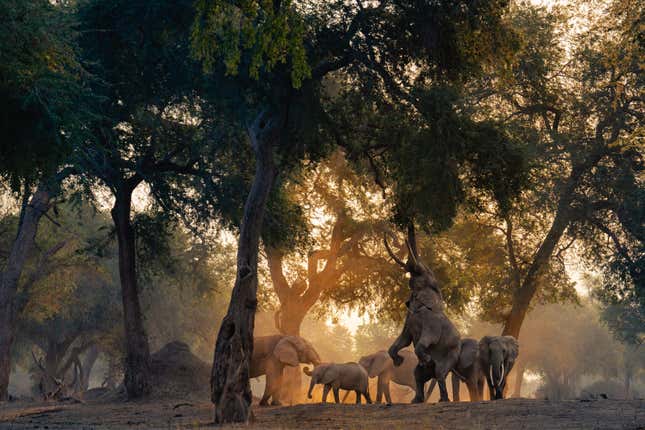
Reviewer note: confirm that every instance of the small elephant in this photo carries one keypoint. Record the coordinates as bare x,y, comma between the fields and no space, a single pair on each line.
347,376
380,364
271,354
497,355
467,370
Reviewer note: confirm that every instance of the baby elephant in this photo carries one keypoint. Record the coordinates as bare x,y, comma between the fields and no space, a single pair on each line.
348,376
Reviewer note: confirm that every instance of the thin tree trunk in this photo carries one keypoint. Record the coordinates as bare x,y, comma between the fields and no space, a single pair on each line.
9,278
137,359
88,364
230,388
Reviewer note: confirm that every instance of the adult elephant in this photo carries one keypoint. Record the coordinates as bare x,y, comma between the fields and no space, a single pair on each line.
435,338
497,355
467,370
380,365
271,354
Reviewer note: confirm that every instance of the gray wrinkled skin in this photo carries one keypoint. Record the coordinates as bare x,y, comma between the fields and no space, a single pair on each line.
435,338
497,355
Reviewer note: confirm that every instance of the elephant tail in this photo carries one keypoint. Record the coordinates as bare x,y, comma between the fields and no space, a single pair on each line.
307,371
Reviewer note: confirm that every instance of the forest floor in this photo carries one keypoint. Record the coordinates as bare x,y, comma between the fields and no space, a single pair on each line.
165,414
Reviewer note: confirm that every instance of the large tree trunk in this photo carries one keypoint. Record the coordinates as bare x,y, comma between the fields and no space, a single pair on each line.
137,359
523,296
230,388
9,278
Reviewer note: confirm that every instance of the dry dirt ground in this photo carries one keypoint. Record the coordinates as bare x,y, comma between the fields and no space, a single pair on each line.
166,414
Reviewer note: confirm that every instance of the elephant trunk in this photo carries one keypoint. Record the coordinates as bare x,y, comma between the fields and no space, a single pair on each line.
498,376
307,371
311,387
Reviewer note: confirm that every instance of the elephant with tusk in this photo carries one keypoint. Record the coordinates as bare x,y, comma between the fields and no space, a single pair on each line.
271,354
497,355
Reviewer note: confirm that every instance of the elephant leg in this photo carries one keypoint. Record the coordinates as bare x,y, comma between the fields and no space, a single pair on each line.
326,389
473,389
336,394
433,383
379,392
368,399
269,389
401,342
455,388
480,388
491,387
386,391
275,394
443,391
420,377
358,397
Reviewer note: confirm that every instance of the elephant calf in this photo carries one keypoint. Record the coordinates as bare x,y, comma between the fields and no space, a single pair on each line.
380,364
348,376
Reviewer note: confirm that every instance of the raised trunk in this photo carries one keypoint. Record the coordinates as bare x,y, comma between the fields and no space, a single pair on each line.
230,388
9,278
523,296
137,359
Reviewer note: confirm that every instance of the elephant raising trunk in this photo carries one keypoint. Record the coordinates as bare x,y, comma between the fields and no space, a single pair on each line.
435,338
497,356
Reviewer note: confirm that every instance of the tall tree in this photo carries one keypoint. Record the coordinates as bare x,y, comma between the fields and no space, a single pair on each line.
281,52
42,115
150,131
582,116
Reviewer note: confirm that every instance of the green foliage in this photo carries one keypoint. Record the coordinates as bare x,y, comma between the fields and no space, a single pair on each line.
42,99
258,34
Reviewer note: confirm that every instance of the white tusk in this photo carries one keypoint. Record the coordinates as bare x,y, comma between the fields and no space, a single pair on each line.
501,377
492,380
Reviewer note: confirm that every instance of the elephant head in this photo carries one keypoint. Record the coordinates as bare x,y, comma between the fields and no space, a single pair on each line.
293,350
498,355
322,374
376,363
423,283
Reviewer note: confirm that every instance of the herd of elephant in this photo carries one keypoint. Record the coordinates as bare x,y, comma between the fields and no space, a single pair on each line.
490,360
438,350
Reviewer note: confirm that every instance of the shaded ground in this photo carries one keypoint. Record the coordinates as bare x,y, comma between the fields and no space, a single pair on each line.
179,414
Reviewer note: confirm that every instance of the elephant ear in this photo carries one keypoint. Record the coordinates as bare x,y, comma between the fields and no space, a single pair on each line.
329,374
379,363
484,348
512,347
286,353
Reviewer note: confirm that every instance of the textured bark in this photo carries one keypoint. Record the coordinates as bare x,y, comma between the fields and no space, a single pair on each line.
563,216
230,388
88,364
137,359
524,295
9,278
